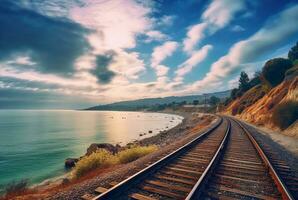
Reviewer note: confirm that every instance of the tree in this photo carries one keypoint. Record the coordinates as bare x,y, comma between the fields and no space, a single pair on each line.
274,70
234,93
214,100
293,53
195,102
243,82
256,80
227,101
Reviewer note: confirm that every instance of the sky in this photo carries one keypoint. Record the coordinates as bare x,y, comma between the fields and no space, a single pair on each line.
78,53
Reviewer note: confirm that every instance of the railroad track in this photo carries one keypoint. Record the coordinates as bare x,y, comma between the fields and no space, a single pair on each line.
225,162
287,172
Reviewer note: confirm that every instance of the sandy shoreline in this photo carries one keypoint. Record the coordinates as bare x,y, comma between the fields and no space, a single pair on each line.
167,141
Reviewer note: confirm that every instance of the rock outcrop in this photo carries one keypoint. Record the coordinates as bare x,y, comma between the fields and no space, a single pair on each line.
106,146
70,162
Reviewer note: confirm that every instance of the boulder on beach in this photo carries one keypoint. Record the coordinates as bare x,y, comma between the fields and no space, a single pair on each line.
106,146
70,162
65,181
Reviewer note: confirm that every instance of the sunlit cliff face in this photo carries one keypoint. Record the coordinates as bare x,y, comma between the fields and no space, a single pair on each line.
77,53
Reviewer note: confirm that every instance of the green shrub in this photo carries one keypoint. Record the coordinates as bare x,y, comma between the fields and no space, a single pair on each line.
99,159
292,71
256,80
274,70
285,114
134,153
16,187
234,93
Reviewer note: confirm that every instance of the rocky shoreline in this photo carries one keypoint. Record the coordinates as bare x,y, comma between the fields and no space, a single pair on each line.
192,125
168,141
113,149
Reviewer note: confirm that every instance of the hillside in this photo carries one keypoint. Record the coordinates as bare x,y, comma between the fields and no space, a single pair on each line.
145,103
270,97
256,106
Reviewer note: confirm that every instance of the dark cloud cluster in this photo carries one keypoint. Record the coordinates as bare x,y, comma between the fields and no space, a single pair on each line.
102,72
52,43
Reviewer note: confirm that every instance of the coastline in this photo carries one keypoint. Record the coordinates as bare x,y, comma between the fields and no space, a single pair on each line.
57,180
141,141
165,140
46,133
168,141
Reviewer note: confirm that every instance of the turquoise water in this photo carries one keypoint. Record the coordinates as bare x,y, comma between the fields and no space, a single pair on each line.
35,143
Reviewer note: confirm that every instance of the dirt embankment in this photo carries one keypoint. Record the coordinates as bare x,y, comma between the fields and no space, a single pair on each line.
257,107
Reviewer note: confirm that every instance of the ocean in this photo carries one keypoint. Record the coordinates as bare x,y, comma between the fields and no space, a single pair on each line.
35,143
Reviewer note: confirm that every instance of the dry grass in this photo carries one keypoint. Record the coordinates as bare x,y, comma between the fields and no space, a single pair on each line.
104,159
100,159
134,153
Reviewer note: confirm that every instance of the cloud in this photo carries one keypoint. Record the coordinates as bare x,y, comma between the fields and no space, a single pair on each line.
166,20
275,32
218,14
21,60
161,70
233,83
79,50
53,44
162,52
155,36
159,54
102,72
129,65
237,28
195,33
196,58
50,79
115,23
22,98
53,8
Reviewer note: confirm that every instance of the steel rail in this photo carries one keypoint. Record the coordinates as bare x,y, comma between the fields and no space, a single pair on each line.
278,181
136,178
200,185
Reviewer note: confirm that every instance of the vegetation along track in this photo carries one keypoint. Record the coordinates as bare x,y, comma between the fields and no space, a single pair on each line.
224,162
